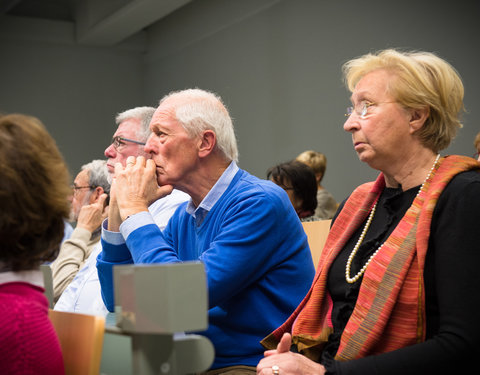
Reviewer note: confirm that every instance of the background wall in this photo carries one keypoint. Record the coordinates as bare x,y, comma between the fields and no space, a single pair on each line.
276,63
74,90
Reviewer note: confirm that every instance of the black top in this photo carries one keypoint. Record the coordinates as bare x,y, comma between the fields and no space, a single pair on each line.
452,275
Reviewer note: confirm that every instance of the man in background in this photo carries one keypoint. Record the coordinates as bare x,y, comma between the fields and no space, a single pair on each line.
84,294
90,190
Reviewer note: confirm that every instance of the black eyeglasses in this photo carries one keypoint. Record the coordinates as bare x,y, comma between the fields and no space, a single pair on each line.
118,142
75,187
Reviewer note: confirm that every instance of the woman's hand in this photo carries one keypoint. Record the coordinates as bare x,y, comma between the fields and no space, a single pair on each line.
287,362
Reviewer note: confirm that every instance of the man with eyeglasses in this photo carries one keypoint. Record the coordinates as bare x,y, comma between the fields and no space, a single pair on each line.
89,194
130,137
83,295
129,140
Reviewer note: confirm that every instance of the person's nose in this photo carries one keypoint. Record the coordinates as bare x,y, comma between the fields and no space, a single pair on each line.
351,124
110,152
149,145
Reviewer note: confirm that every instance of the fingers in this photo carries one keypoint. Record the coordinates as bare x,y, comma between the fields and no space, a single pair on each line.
268,353
101,199
130,162
101,202
135,161
285,343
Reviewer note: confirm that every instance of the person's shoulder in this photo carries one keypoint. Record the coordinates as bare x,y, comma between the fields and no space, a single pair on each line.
325,195
250,185
464,179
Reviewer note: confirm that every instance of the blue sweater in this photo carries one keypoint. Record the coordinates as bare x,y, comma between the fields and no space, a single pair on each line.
256,256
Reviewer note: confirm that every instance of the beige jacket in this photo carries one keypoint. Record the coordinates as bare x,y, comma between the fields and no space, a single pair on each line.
71,258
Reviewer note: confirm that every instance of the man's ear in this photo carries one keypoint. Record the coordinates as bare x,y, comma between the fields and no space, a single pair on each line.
418,118
96,194
207,143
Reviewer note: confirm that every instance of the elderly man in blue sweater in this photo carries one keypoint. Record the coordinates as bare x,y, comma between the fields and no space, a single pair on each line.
243,229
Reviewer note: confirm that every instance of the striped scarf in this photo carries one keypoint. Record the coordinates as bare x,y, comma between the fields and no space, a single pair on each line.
390,309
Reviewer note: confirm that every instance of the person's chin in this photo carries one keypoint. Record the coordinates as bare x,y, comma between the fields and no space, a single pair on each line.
161,180
364,156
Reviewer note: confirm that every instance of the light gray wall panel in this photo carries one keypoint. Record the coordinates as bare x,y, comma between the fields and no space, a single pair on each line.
75,91
277,64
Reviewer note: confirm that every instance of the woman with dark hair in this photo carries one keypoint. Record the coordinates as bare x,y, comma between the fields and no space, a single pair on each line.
476,143
326,204
299,181
34,191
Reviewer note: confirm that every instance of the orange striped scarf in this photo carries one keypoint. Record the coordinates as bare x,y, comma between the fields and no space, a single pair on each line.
390,309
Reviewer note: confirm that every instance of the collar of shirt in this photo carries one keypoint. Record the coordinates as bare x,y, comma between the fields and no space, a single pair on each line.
200,212
34,277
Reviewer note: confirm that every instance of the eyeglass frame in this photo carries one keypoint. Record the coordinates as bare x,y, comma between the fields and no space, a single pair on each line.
75,188
364,111
116,142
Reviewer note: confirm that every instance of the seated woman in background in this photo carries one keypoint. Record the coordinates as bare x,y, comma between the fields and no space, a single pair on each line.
396,287
34,191
326,204
298,180
476,143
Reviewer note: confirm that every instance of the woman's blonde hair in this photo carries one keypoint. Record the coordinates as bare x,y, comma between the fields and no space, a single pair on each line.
476,141
315,160
422,79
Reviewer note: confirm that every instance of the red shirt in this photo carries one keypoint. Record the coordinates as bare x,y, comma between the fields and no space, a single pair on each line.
28,342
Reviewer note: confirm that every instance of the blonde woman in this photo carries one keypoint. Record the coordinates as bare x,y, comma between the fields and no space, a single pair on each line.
396,287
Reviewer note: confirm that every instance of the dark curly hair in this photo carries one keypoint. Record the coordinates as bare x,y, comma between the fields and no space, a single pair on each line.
34,191
299,177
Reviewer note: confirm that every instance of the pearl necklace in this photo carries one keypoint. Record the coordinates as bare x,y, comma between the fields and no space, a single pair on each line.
351,280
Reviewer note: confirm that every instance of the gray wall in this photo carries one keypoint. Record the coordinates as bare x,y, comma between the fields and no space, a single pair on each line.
276,63
278,66
74,90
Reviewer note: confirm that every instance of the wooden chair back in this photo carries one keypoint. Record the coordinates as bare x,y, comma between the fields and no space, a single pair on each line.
81,340
317,232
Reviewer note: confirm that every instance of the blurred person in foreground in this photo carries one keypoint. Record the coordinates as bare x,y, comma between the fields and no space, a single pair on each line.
83,294
243,229
34,191
89,208
299,181
396,288
326,203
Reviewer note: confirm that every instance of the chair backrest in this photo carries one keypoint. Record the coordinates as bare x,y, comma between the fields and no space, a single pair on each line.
48,283
317,232
81,340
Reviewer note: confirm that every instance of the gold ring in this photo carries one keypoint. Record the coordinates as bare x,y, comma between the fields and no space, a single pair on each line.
275,370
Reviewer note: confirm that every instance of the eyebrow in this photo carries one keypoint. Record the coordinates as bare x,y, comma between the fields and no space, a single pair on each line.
362,93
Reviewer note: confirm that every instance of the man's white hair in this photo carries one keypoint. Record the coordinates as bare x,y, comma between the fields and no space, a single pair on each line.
144,114
199,110
98,174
